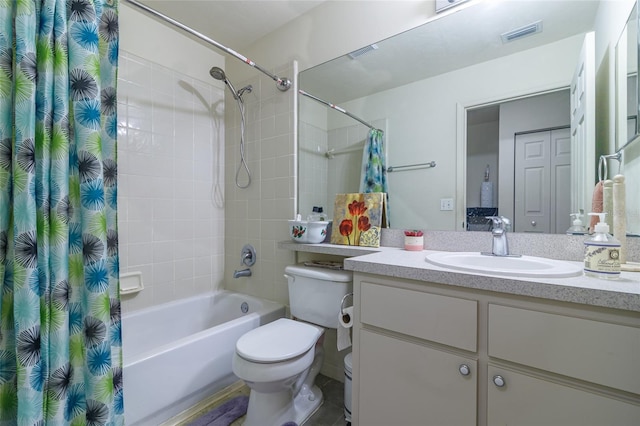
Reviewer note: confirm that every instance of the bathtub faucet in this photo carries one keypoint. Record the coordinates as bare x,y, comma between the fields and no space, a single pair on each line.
242,273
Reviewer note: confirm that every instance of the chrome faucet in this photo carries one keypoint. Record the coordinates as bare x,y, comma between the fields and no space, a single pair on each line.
242,273
500,244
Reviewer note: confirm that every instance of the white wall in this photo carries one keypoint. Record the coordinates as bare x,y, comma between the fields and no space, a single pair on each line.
170,155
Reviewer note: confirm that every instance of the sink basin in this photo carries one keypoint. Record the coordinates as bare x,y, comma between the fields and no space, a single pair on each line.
524,266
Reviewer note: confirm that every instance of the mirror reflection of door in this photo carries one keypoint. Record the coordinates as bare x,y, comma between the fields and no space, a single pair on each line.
542,169
493,129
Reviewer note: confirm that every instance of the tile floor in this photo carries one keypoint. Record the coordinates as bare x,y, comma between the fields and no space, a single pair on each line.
330,413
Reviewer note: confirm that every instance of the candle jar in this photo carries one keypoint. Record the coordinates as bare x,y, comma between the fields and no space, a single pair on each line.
414,243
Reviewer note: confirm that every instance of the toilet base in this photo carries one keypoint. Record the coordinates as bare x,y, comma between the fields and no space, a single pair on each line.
307,403
277,408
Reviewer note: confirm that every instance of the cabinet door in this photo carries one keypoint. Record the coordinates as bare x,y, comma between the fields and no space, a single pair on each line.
528,401
407,384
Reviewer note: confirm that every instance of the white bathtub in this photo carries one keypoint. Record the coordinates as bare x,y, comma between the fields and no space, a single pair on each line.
178,353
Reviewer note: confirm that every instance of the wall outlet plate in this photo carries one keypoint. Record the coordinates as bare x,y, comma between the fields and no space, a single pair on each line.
446,204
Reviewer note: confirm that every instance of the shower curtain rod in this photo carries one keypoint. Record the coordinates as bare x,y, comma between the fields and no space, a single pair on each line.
283,84
337,108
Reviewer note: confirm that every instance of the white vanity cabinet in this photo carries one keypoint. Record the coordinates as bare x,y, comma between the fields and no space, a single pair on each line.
581,353
431,354
416,358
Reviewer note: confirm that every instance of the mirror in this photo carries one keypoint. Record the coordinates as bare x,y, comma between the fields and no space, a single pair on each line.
626,82
627,124
418,86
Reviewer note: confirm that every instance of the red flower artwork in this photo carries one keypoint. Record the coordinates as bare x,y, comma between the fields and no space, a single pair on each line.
346,228
363,224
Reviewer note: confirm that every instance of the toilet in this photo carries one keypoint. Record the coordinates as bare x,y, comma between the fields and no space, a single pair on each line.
279,361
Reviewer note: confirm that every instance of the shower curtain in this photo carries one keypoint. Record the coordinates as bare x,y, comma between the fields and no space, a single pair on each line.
60,342
374,176
374,167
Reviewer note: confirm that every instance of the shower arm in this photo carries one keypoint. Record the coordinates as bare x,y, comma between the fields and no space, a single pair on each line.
283,84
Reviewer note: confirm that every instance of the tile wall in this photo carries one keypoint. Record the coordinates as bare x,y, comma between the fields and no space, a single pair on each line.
313,160
171,177
258,214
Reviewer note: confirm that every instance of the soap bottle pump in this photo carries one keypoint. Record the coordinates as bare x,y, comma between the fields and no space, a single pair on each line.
602,252
577,228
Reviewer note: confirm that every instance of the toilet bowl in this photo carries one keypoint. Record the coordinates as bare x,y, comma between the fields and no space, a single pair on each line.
279,361
275,361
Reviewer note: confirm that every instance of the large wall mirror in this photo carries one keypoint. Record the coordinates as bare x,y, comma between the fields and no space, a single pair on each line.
627,124
455,92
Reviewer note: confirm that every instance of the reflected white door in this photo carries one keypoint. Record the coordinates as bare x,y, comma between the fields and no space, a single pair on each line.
542,168
583,127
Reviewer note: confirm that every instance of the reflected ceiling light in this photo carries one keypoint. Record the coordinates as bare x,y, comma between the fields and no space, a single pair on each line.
524,31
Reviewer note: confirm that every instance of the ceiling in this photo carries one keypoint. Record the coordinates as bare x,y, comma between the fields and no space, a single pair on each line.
467,36
233,23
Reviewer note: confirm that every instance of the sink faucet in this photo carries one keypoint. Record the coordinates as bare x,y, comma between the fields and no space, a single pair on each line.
242,273
500,245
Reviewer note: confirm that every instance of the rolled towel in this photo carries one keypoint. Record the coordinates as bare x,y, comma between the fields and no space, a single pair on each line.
596,205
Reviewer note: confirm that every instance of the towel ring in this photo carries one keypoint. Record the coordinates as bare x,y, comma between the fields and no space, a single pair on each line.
602,164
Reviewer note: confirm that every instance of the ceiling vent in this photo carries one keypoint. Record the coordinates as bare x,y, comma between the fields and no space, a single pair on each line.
362,51
525,31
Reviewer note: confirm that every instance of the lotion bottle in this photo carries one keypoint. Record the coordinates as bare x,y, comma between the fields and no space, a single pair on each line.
602,252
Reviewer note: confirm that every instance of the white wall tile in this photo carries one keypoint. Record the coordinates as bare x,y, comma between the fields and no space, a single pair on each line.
163,129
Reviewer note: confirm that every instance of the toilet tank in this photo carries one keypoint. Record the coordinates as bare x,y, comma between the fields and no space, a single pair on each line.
315,294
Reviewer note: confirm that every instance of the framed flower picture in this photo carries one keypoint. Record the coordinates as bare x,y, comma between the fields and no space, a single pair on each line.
358,218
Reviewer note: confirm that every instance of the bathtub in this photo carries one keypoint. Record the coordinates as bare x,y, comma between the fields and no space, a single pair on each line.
178,353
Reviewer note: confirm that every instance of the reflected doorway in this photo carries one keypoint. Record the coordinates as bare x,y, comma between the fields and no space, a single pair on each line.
498,183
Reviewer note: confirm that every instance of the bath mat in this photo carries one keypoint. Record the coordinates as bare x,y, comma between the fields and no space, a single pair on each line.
225,414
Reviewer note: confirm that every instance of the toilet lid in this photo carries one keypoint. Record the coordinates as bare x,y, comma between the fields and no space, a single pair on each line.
277,341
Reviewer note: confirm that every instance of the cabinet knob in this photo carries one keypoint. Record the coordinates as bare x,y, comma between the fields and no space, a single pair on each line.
464,369
498,381
533,223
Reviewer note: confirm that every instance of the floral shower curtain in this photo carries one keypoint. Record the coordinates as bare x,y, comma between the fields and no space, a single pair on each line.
60,340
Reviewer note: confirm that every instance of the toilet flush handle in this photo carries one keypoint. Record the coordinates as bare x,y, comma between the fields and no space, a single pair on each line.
291,277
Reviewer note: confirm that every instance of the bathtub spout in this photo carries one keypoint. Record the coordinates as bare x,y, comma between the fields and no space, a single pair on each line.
242,273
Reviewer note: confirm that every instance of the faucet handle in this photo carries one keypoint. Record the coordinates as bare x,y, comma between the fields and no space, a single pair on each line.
500,222
497,221
506,222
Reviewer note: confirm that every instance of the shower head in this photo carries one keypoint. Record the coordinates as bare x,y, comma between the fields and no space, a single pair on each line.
219,74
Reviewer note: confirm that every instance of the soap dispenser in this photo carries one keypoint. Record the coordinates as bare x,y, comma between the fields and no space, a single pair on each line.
577,228
317,215
602,252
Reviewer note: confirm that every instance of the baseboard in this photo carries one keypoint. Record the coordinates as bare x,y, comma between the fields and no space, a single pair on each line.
333,371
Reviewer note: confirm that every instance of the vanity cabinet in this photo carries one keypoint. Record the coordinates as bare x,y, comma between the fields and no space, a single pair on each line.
431,354
416,359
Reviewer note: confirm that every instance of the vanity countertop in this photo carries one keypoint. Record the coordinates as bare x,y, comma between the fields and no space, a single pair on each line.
623,293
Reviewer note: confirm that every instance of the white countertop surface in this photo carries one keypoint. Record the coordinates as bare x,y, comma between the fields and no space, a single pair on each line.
623,293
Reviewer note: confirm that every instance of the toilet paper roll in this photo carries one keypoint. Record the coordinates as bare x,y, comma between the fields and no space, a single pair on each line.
345,320
346,317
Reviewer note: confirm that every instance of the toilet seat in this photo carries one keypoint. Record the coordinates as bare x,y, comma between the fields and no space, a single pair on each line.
277,341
